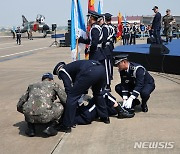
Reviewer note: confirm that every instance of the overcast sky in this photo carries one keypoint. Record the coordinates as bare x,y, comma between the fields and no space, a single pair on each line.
58,11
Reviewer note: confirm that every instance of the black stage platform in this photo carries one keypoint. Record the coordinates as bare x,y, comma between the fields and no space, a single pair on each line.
166,63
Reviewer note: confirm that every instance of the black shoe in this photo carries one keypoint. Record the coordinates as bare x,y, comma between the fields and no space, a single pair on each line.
122,113
31,130
135,102
144,108
131,110
50,131
63,128
106,120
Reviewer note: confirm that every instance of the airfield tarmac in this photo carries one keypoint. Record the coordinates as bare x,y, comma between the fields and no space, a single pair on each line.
21,65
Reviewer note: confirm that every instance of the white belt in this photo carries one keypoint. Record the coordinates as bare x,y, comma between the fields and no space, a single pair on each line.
99,45
107,43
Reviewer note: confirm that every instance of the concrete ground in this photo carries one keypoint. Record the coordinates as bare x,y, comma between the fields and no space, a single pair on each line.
157,131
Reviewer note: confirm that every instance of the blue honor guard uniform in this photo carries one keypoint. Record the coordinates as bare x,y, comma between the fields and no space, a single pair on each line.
135,81
78,77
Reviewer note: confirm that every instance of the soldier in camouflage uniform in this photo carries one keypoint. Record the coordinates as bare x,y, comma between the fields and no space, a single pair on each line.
168,20
38,105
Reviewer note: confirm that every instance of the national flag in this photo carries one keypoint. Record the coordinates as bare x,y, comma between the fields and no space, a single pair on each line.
91,5
77,28
100,7
120,27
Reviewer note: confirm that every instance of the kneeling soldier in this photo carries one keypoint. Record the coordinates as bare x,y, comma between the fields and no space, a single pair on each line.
135,80
39,107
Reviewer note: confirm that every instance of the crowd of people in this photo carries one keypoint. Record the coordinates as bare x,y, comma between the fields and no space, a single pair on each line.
160,26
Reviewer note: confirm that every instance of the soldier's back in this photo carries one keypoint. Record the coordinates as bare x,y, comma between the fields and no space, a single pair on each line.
41,96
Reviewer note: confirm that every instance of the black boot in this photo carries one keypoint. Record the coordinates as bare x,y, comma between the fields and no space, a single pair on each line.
130,110
144,104
135,102
106,120
122,113
144,107
31,129
50,131
63,128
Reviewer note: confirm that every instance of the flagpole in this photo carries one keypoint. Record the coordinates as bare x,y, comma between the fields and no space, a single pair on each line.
77,49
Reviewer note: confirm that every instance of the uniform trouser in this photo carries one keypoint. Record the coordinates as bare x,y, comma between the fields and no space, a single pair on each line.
145,92
111,47
18,39
133,39
168,33
157,36
126,39
110,101
47,115
85,114
93,76
107,64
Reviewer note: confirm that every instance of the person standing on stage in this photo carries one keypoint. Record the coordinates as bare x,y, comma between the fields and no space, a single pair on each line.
168,20
156,25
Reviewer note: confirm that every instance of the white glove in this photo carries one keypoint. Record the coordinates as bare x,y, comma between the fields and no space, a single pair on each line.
124,102
128,103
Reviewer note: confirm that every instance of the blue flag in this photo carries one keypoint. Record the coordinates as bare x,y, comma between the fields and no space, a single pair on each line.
77,28
100,7
125,20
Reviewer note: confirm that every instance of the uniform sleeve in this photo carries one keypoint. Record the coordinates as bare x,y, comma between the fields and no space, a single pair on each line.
156,19
66,80
105,35
60,93
95,39
139,81
125,91
22,100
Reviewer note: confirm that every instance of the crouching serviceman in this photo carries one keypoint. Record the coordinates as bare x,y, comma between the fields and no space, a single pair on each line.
39,107
135,80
